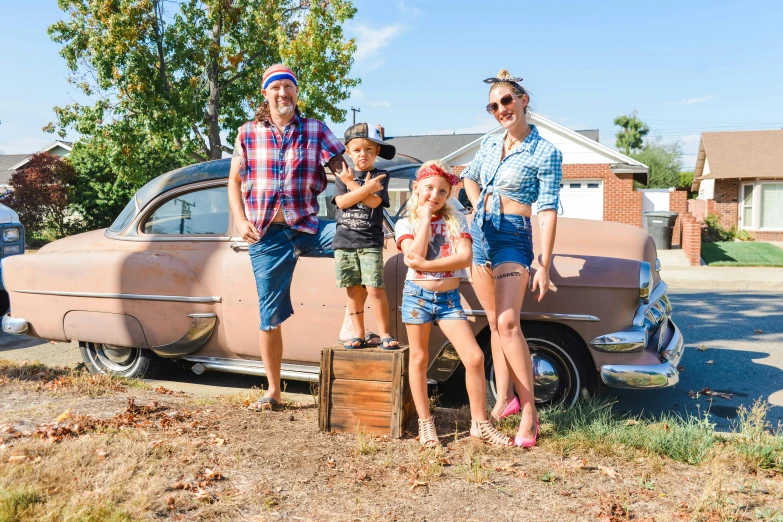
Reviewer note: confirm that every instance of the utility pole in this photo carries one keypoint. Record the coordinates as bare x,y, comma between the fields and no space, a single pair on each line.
354,114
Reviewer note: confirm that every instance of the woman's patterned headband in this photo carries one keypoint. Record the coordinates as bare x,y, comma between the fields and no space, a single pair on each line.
512,81
434,170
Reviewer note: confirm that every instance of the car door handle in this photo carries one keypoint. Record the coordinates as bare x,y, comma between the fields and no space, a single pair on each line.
238,245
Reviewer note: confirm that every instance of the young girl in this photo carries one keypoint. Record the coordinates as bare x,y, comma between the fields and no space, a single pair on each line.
435,241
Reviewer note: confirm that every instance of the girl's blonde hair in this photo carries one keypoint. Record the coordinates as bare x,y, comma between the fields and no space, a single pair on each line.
516,89
448,211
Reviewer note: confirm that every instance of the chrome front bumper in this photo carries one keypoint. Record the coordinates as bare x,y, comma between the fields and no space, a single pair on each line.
649,376
14,325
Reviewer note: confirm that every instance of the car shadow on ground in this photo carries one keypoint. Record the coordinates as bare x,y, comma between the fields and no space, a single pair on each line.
734,344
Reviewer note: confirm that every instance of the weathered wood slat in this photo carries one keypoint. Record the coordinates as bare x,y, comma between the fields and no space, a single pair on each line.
368,388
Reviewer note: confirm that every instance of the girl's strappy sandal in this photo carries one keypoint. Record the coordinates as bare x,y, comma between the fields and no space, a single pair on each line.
427,435
484,430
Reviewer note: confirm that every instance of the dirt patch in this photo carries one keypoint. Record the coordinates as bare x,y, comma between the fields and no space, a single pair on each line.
136,454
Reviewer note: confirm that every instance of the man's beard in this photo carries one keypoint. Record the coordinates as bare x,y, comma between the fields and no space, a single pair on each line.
285,109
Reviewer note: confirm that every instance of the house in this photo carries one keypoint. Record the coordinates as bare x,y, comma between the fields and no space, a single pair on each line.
597,180
739,177
7,162
58,148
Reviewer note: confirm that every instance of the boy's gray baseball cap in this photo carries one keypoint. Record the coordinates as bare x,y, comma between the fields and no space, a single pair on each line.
370,133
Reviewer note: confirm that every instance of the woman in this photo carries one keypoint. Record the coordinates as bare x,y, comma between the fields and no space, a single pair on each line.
510,172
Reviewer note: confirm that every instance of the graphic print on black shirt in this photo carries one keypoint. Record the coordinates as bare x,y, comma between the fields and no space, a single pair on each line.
360,226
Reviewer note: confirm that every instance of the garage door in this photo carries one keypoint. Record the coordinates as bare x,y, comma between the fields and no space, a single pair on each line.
582,198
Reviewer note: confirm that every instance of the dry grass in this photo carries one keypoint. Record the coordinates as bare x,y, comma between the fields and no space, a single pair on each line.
170,457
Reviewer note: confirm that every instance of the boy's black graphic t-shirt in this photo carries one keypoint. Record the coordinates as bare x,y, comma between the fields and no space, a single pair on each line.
360,226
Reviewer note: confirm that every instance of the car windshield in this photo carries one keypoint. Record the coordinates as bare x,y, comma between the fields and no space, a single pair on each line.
125,217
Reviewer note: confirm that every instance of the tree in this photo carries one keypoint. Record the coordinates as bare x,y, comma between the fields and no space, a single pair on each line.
184,76
41,194
107,177
632,136
664,160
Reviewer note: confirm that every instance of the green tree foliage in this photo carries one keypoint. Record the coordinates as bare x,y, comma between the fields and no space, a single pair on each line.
664,160
631,137
41,194
686,180
184,71
107,176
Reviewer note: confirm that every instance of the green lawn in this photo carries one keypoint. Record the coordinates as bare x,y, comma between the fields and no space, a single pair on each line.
733,253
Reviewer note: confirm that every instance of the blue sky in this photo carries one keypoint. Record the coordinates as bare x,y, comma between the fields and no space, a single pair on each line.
686,67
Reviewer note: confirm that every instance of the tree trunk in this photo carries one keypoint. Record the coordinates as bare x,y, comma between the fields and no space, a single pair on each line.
213,106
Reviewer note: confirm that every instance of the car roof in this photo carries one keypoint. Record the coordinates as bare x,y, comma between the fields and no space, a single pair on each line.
218,169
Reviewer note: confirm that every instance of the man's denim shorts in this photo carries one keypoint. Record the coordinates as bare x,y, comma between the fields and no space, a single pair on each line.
420,306
513,243
274,258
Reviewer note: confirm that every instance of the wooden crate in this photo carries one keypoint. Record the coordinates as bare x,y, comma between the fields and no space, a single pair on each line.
365,388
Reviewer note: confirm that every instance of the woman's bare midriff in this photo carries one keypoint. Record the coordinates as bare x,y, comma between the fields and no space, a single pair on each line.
509,206
438,285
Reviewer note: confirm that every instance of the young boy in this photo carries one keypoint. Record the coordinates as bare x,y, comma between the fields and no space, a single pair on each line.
358,240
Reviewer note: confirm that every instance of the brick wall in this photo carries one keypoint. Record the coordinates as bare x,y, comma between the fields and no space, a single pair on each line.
621,203
698,207
766,236
726,204
678,202
691,239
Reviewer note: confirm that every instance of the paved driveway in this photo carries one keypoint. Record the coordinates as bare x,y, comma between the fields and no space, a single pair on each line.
742,333
743,336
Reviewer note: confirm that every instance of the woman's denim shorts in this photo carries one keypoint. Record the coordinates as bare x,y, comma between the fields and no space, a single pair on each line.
420,306
512,243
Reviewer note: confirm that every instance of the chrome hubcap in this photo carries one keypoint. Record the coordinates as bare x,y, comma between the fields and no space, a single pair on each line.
114,358
551,377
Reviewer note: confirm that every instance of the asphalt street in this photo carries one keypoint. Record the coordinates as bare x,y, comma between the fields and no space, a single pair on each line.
734,344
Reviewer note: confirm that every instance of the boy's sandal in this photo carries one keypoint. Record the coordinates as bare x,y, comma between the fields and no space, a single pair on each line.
372,339
351,344
265,404
427,435
486,432
386,342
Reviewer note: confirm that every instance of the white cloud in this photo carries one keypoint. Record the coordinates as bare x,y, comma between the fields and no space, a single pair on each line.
702,99
357,94
412,11
370,40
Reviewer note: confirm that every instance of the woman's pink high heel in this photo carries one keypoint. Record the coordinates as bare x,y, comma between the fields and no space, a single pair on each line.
527,443
511,409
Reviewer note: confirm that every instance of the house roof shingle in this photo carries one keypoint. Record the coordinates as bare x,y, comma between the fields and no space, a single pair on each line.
6,162
740,154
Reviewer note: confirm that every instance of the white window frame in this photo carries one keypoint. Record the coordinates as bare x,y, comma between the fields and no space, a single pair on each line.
741,213
756,205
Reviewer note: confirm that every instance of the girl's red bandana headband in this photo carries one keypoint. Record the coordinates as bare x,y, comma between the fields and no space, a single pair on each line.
434,170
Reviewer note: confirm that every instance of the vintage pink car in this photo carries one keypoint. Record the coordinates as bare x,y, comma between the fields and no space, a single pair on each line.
169,280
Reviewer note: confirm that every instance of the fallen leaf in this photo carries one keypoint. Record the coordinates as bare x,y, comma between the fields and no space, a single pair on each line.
63,416
170,501
578,462
157,443
101,453
702,348
607,471
710,362
631,422
331,463
16,458
417,483
220,442
179,485
362,475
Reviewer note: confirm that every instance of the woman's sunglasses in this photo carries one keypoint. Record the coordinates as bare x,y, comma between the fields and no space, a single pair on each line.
505,101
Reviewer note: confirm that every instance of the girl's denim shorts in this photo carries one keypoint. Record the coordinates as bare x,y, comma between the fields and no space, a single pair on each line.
513,243
420,306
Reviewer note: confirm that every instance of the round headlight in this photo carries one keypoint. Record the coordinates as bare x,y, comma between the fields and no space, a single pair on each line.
11,234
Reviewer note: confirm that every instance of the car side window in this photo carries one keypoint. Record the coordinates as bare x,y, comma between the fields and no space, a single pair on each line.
193,213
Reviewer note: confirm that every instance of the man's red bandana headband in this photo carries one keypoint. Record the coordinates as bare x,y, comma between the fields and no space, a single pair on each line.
434,170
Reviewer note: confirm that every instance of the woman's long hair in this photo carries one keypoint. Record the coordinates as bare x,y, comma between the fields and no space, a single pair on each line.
448,211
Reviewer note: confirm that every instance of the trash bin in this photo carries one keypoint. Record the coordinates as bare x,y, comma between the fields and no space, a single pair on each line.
660,225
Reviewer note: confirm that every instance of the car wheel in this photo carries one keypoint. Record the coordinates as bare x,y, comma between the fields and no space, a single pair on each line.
137,363
562,369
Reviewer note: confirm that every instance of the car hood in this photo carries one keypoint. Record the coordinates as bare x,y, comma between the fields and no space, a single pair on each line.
8,215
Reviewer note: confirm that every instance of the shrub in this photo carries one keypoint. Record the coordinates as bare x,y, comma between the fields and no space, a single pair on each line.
744,235
714,232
